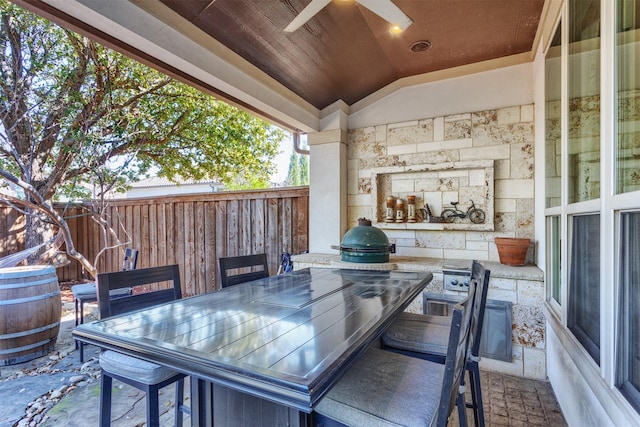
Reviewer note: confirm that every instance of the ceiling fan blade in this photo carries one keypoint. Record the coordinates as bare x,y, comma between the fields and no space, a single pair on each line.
387,11
307,13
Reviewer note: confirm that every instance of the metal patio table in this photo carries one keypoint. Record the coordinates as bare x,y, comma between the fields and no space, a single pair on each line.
264,351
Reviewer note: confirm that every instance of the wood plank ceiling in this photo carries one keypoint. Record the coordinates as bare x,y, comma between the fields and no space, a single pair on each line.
347,52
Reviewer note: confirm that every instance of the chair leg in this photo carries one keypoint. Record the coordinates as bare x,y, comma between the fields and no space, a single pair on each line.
76,310
476,394
462,410
179,402
105,400
76,313
153,407
81,312
81,322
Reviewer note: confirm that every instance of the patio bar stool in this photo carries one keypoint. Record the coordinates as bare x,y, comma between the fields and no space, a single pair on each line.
86,293
426,337
384,388
141,374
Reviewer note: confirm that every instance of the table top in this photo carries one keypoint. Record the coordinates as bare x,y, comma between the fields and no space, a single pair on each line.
284,338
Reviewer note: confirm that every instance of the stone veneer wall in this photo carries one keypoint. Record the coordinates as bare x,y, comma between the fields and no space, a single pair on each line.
504,136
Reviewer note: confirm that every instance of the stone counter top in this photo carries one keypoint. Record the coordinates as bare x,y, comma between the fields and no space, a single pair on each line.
435,265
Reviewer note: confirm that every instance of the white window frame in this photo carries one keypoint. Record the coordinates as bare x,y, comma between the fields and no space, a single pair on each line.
609,205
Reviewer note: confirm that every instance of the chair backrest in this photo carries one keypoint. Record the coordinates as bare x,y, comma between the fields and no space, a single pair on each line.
246,267
130,259
480,275
455,362
128,279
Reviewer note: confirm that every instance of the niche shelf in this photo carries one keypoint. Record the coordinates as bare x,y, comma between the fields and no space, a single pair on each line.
438,185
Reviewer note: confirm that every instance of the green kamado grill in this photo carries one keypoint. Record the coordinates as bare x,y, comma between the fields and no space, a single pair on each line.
366,244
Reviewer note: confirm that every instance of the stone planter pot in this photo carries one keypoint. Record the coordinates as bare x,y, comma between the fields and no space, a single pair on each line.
512,250
30,311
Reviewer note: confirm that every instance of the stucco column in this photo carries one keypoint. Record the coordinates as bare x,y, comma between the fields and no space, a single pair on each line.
327,189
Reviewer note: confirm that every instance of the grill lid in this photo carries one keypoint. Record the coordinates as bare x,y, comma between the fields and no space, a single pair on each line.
365,243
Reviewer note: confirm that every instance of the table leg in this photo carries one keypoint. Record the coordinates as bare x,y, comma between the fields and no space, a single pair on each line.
201,402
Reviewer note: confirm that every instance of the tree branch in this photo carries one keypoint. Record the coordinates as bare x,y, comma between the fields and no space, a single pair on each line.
40,205
129,102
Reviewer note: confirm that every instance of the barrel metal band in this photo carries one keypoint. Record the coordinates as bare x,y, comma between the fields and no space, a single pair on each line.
30,299
26,347
29,332
26,284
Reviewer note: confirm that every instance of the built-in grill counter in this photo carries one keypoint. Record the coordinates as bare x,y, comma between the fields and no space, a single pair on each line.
513,339
495,341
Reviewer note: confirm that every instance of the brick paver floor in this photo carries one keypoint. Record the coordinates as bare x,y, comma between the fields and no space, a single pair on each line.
515,401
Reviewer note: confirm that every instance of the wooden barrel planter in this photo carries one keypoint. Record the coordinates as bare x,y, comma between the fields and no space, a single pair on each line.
512,250
30,311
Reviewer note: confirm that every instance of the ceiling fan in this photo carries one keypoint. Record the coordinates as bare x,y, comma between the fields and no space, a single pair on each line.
383,8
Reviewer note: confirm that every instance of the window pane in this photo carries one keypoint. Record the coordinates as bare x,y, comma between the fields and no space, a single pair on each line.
628,97
553,121
629,333
553,258
584,282
584,100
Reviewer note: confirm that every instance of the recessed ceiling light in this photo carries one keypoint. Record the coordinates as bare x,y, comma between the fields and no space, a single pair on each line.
420,46
396,29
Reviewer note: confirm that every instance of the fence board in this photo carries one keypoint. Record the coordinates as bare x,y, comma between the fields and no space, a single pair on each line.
189,249
259,224
161,229
191,230
273,241
286,225
73,269
221,242
130,232
145,246
153,236
136,234
210,259
234,244
300,225
199,260
244,227
171,229
178,242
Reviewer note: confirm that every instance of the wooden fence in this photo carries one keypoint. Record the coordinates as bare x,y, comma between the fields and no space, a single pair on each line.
191,230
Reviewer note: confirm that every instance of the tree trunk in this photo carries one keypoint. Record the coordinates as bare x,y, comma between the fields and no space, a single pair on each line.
38,229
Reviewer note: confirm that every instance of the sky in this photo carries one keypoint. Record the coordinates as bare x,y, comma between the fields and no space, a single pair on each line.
282,160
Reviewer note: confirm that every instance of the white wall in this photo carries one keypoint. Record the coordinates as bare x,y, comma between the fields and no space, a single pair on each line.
327,190
579,405
488,90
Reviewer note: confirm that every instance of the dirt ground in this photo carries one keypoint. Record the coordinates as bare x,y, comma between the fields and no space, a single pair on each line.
65,291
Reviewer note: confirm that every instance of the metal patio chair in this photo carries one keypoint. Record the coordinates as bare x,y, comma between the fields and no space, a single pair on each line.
426,336
146,376
86,292
245,267
391,389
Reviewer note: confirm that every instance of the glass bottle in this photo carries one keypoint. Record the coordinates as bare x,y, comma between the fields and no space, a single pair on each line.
390,213
399,210
411,208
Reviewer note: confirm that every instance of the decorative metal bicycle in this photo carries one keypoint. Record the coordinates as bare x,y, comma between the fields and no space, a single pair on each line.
474,214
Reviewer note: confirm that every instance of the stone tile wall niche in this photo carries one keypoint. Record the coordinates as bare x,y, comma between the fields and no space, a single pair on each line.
486,156
436,185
